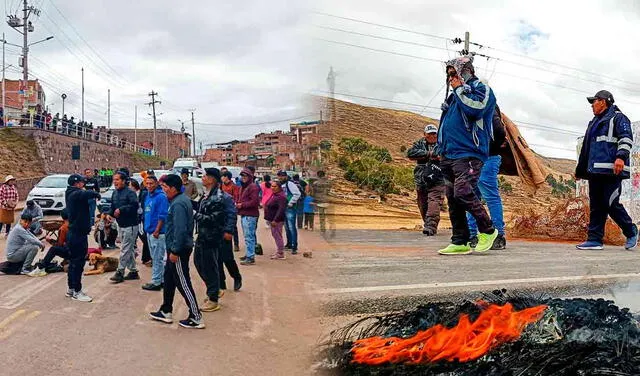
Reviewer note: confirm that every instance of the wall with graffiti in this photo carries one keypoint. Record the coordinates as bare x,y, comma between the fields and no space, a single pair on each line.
630,196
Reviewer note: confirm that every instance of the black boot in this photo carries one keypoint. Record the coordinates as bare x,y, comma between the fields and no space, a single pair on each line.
131,276
237,284
118,277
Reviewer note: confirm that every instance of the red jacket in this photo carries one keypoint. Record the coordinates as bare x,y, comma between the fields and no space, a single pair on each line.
233,191
249,197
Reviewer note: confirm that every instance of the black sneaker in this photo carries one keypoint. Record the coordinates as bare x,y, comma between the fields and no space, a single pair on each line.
243,258
248,261
131,276
473,242
118,277
151,287
428,232
294,251
166,318
499,243
191,323
237,284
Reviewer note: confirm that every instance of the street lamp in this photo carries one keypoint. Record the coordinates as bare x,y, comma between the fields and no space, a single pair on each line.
64,96
40,41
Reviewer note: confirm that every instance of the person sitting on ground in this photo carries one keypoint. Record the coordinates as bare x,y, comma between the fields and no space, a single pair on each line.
35,211
22,247
58,246
106,232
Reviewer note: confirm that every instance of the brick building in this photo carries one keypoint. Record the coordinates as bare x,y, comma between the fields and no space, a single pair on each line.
170,144
15,101
296,149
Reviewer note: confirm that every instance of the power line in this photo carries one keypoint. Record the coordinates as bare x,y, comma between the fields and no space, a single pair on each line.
377,50
381,25
382,38
254,124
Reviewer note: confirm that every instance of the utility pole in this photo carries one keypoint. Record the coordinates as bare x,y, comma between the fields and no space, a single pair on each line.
4,91
135,129
193,130
153,106
466,42
82,94
108,108
25,53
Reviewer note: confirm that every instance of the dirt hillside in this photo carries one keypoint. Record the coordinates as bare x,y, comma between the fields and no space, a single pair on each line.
397,130
19,156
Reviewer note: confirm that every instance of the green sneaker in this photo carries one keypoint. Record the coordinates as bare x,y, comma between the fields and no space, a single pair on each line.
453,249
485,241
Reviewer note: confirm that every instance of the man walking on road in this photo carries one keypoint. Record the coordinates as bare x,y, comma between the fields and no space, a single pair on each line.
293,195
215,217
234,191
91,184
463,141
156,207
179,239
249,211
124,208
604,162
77,206
428,178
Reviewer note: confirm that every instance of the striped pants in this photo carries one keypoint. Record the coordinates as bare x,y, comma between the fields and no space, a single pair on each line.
176,275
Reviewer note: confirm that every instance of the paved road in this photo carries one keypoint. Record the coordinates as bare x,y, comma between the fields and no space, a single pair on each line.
270,327
373,271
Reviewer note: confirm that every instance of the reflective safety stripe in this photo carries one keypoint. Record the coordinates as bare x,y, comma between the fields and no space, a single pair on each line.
624,147
470,102
612,140
625,140
614,195
609,166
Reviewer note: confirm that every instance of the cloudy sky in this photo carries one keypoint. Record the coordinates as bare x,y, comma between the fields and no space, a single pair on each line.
233,62
252,61
577,36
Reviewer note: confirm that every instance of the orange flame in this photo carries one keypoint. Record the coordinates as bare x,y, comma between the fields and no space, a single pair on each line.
464,342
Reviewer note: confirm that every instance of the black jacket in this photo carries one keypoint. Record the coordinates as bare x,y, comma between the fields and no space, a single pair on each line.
217,215
499,133
179,235
125,199
427,172
141,201
92,185
77,203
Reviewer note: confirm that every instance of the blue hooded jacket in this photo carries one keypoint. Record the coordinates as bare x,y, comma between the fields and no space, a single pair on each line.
466,123
156,208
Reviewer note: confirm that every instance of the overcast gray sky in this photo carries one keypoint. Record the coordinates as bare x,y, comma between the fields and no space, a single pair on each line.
252,61
593,36
234,62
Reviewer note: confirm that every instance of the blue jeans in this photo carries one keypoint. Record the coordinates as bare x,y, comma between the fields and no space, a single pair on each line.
290,228
489,191
92,211
249,227
158,249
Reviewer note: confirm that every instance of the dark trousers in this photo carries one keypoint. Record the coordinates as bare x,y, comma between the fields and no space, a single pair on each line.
429,203
107,241
205,259
62,252
461,179
236,240
146,253
226,259
308,220
300,215
176,275
78,246
604,200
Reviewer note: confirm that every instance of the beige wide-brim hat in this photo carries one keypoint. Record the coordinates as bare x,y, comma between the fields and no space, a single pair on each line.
9,178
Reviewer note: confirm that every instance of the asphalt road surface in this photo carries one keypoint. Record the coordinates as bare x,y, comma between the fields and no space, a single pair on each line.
376,271
270,327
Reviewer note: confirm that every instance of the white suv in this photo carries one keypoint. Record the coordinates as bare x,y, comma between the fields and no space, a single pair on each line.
49,192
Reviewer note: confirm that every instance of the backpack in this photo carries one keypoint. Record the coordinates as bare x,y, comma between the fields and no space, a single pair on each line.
499,131
289,194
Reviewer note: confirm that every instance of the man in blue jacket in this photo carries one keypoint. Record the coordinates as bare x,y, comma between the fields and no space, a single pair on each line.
604,162
156,207
463,140
179,239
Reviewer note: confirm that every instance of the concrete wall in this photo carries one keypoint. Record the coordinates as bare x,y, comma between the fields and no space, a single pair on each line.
54,150
177,141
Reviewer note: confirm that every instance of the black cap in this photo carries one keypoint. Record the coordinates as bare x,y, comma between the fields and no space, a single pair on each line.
184,171
75,178
26,217
30,203
213,172
282,173
602,94
151,172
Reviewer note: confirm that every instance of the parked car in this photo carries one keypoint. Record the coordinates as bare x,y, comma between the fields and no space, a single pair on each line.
49,192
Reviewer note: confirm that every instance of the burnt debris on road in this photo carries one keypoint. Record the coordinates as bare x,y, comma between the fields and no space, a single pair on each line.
564,337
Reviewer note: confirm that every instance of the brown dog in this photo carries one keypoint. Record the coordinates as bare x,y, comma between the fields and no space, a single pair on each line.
101,264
